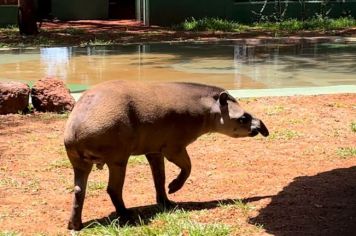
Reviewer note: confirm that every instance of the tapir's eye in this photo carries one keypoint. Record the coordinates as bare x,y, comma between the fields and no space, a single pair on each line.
244,119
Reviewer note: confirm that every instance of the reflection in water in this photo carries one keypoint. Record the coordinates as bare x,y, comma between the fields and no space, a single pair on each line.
56,61
229,66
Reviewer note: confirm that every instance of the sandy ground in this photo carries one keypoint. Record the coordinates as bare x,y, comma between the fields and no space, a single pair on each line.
301,180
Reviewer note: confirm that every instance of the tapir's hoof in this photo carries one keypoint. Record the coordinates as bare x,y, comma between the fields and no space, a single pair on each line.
167,204
75,226
174,186
125,216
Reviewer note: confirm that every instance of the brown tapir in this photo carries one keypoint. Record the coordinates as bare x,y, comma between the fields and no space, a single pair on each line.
116,119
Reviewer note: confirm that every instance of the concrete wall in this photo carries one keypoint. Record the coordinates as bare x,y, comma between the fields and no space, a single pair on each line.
168,12
80,9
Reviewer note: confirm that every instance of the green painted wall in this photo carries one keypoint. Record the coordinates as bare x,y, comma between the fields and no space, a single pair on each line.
80,9
8,15
168,12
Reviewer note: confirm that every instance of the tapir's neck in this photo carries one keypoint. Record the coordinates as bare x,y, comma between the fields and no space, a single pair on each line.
211,117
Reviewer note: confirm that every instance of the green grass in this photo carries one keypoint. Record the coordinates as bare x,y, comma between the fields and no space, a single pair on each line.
346,152
97,42
290,25
209,24
353,126
316,23
177,222
10,29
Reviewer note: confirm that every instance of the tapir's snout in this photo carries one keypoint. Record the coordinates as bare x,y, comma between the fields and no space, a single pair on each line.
257,126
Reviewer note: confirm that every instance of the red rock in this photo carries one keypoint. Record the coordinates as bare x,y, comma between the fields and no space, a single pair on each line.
51,95
14,97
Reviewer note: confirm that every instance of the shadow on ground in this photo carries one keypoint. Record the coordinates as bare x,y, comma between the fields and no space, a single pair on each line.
324,204
143,214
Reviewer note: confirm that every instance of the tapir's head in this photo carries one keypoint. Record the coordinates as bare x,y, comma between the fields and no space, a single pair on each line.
232,120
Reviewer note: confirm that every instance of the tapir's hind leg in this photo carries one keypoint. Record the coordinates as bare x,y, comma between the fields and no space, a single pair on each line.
81,173
180,158
156,161
117,171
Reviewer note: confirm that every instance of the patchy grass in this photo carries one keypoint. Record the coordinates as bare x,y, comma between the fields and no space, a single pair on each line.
286,134
138,160
177,222
295,121
43,40
275,110
313,157
10,31
353,126
9,183
9,233
3,215
337,105
239,204
208,137
62,163
247,100
65,163
96,185
54,36
48,116
32,186
63,115
346,152
74,31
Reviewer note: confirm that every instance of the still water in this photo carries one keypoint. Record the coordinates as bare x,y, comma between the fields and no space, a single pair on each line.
228,66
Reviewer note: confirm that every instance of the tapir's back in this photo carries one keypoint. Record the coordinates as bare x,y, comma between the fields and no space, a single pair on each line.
122,107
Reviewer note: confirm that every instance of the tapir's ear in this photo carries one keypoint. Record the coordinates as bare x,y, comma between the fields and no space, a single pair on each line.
223,97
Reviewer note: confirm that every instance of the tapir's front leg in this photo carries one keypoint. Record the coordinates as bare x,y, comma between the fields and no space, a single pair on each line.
180,158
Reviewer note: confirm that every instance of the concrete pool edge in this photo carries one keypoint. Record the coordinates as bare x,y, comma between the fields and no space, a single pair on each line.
301,91
222,38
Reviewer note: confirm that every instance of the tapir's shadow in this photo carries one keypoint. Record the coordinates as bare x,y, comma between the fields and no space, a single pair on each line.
323,204
143,214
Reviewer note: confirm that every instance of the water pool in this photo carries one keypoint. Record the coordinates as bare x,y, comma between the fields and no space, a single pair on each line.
230,66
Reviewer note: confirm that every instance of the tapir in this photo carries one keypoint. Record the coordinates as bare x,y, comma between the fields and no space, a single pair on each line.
116,119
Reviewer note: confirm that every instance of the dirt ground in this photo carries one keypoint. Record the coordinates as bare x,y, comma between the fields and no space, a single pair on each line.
301,180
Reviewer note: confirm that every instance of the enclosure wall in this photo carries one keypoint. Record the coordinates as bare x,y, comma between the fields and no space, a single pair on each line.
80,9
8,15
163,12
